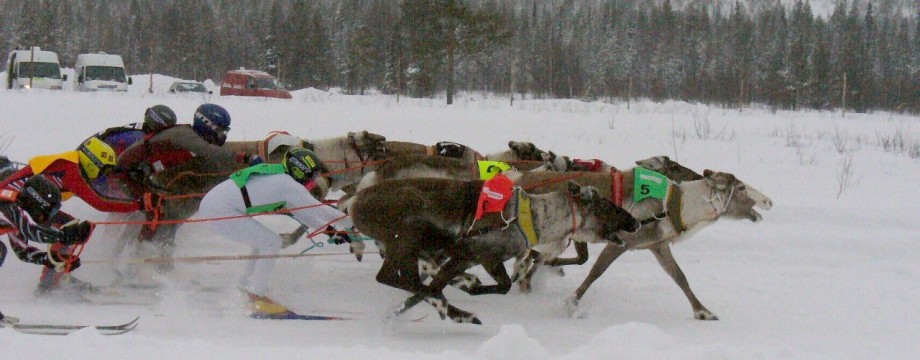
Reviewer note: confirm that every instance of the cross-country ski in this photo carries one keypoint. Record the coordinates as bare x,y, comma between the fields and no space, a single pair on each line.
61,329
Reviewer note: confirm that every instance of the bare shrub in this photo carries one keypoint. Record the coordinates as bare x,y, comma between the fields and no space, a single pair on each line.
845,173
794,137
805,158
841,140
892,142
701,124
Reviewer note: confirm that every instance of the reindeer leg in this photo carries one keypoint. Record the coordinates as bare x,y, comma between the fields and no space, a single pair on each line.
582,251
669,264
496,269
449,270
610,253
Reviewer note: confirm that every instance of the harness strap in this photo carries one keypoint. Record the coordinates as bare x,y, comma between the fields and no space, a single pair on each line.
674,205
525,219
259,208
616,186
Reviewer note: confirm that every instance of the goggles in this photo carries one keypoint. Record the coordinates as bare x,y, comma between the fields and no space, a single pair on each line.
156,117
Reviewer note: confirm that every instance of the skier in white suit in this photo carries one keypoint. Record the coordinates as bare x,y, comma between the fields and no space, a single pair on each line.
265,188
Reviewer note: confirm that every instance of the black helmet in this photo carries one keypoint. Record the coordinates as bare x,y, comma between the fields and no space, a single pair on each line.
302,164
39,197
5,162
159,117
5,172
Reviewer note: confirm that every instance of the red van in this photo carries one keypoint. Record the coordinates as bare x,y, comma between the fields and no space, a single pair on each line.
252,83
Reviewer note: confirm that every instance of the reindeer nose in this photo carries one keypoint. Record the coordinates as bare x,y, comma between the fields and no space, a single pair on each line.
636,225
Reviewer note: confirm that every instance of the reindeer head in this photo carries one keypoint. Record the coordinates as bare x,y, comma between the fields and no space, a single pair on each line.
665,166
369,143
735,198
527,151
600,216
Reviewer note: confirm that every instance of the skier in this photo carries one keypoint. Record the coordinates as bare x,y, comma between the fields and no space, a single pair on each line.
186,159
72,172
156,118
29,211
266,188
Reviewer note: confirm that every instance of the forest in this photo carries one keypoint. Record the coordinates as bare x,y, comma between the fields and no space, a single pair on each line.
864,56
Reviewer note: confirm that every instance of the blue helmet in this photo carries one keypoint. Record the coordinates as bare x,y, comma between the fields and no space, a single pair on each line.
212,122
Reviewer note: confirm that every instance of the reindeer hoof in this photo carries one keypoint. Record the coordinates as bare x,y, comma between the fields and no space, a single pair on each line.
466,282
705,315
464,317
558,271
573,309
524,286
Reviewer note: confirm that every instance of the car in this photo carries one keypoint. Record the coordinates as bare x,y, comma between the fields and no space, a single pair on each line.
245,82
188,87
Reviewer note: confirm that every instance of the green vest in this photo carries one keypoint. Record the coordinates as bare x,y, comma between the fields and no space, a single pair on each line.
241,177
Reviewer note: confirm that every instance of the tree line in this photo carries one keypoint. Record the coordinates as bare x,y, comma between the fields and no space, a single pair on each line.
864,56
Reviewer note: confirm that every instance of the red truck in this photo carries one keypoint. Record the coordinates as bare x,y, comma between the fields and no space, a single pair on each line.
252,83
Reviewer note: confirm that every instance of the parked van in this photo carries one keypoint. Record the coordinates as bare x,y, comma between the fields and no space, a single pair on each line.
33,69
100,72
252,83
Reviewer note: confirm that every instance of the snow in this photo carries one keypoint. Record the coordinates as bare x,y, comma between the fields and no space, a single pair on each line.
820,277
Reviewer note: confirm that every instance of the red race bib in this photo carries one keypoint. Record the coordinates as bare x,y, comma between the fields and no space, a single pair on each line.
495,194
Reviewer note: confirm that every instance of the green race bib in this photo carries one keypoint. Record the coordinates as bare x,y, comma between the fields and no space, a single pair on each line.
649,184
488,168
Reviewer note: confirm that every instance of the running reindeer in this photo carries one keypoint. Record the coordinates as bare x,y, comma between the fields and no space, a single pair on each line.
418,216
690,206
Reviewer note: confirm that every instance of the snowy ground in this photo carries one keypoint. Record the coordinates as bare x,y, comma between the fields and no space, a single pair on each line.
819,278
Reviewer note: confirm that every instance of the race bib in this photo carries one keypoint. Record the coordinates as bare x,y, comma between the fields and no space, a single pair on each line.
495,194
649,184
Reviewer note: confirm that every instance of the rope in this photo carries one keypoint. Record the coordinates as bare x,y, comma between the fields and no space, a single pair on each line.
277,212
361,165
195,259
553,181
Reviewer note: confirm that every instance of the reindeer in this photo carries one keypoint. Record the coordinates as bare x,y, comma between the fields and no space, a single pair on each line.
522,155
416,216
692,206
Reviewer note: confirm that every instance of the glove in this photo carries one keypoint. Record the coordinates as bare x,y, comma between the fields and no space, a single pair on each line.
76,232
338,237
140,173
61,262
251,159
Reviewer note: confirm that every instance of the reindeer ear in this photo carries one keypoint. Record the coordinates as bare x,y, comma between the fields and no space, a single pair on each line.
707,176
574,188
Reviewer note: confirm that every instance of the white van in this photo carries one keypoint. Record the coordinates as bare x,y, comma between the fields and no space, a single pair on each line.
100,72
33,69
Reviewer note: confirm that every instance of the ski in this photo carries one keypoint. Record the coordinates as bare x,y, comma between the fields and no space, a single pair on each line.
296,316
56,329
290,315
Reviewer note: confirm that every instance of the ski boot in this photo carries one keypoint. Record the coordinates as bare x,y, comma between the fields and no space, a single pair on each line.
54,281
264,307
